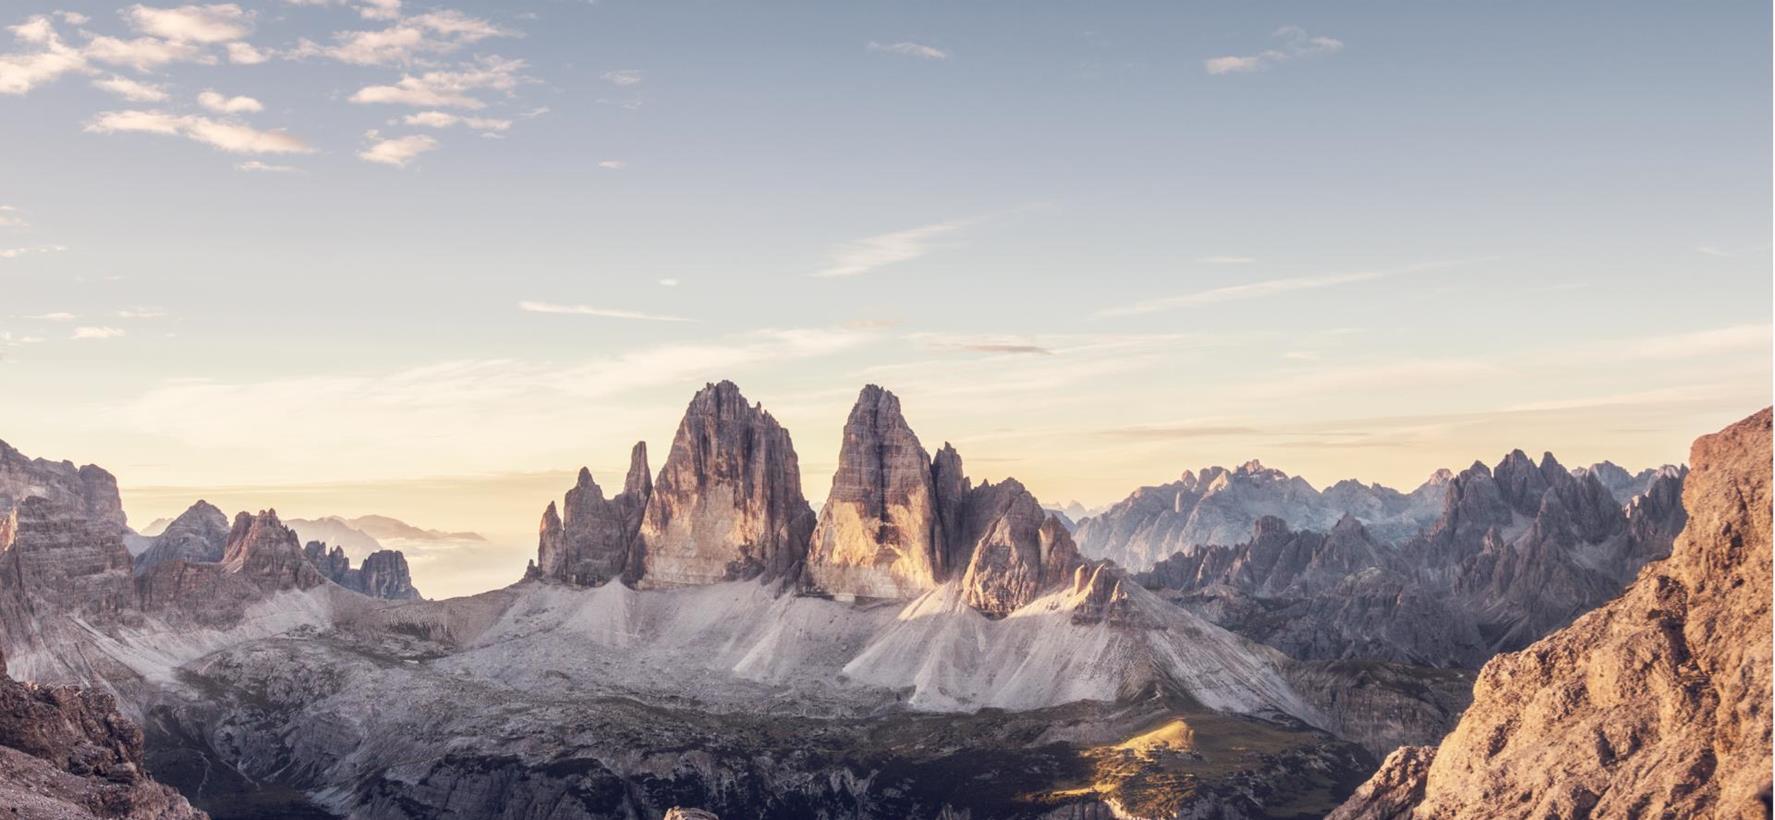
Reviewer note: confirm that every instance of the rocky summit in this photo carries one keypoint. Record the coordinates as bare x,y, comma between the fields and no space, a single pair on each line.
880,532
89,490
727,503
594,539
198,535
1656,704
383,574
897,524
1517,551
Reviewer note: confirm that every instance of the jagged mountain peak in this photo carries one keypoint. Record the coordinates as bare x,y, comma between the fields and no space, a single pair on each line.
1655,704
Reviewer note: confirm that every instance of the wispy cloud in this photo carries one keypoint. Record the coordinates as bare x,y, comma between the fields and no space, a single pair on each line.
625,77
976,343
907,49
14,253
1709,250
218,23
401,415
864,255
1176,432
1296,44
10,217
447,89
131,90
141,313
50,58
255,166
1712,342
444,119
414,40
589,310
1258,290
85,332
58,316
224,104
613,165
396,151
226,135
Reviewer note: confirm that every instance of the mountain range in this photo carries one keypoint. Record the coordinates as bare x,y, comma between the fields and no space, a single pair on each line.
920,646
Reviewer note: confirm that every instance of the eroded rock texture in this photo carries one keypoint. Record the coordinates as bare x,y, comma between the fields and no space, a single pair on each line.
879,534
66,754
1517,551
383,573
1654,705
89,490
595,539
263,550
198,535
1220,506
728,503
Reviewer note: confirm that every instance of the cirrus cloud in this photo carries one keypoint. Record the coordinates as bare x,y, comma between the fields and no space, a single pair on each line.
226,135
1296,44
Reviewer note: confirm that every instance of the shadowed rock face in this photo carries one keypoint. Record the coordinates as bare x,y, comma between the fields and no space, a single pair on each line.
1484,577
198,535
1654,705
728,502
383,574
1017,549
595,540
65,753
879,534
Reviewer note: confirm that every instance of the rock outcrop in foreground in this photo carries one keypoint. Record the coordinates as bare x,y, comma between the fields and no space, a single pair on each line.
66,754
1655,705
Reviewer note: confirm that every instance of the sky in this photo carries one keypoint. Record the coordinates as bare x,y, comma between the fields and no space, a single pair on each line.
427,259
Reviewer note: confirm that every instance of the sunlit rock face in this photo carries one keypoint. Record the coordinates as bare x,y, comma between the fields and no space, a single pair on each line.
593,540
263,550
1653,705
727,504
879,534
898,523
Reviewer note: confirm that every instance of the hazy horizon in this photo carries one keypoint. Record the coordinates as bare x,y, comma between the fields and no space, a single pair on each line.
426,259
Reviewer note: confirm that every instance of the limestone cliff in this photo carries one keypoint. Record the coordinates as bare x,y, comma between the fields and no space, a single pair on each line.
198,535
1654,705
593,539
879,533
728,503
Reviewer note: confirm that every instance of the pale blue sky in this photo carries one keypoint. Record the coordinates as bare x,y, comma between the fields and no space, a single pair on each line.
1388,237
